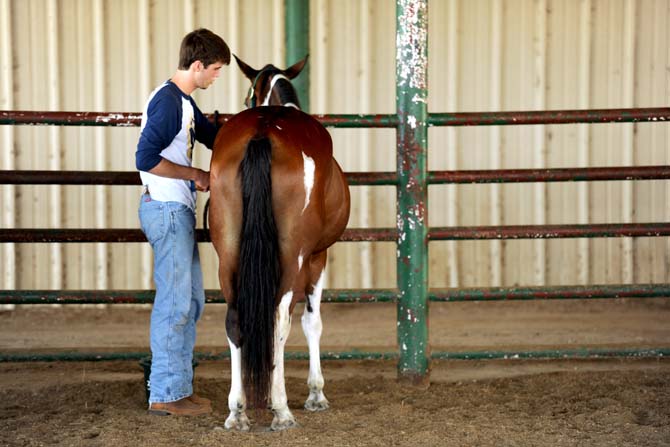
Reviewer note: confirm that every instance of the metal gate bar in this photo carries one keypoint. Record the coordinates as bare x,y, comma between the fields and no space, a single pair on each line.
549,354
606,291
411,122
661,172
83,235
125,119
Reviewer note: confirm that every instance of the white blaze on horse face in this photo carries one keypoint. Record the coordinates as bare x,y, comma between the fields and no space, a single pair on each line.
309,166
300,259
274,80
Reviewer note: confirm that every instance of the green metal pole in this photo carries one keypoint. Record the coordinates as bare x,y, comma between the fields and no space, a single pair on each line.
412,218
296,30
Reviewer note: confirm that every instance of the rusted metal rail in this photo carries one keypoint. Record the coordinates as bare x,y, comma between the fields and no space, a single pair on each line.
606,291
80,235
639,115
369,178
124,119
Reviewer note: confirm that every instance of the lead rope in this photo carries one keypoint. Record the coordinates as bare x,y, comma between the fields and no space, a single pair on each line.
204,216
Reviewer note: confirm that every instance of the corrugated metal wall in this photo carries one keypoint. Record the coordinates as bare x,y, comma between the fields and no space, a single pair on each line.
485,55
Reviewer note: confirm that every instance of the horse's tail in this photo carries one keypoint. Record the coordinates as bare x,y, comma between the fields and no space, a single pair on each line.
259,271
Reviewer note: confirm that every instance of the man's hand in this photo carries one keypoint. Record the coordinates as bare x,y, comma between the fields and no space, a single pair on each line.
201,180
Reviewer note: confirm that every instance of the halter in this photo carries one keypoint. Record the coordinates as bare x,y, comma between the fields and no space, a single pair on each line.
252,92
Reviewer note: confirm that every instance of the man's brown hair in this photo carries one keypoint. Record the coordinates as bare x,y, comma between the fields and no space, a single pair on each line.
204,46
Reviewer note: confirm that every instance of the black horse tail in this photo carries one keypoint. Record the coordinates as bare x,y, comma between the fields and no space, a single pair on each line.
259,271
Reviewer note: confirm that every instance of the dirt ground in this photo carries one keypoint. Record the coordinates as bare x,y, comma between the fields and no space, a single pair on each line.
602,402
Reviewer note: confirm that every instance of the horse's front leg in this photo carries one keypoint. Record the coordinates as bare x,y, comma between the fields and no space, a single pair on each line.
283,418
237,420
312,327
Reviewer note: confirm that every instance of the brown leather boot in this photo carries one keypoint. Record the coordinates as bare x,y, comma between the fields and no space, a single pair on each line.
199,400
182,407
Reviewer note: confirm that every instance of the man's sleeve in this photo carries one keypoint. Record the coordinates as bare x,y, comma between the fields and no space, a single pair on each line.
162,125
205,132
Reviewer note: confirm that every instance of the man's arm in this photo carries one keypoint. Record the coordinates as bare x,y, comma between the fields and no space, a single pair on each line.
205,132
165,168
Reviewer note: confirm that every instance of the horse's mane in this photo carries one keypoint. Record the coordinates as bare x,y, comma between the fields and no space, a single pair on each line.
286,92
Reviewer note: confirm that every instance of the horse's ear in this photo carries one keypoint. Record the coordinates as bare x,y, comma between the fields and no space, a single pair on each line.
249,72
295,69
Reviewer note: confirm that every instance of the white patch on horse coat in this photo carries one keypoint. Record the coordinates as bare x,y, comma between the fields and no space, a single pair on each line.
283,417
283,323
274,80
300,259
236,399
313,327
309,166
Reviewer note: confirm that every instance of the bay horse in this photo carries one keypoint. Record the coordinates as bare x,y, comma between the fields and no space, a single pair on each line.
278,200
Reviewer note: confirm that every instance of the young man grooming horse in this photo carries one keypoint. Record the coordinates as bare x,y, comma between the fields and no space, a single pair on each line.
171,123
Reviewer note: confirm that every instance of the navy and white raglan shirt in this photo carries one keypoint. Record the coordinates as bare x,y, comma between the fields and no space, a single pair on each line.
171,123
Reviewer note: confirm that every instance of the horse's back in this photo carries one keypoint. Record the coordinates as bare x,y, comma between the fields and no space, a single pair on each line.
289,130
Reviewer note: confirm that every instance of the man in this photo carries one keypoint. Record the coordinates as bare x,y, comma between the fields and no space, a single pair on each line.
171,123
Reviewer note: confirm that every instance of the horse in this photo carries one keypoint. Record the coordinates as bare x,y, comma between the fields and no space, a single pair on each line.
278,201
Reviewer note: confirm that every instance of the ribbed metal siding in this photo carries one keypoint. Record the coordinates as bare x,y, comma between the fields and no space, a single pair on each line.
484,55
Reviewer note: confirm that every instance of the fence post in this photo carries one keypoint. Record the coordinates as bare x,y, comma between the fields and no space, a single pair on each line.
412,218
296,28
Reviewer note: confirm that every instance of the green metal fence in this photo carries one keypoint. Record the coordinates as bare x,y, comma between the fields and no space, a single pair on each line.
412,235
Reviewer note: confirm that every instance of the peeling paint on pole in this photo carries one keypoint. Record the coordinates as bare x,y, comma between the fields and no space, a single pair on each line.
412,136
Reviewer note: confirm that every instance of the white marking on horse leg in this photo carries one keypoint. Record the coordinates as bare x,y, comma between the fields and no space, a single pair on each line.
309,167
283,418
237,420
312,327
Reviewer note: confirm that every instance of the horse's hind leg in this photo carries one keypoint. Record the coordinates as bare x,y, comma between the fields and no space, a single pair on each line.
237,420
283,418
312,327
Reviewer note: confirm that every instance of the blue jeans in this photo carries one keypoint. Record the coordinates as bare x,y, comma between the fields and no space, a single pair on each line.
180,297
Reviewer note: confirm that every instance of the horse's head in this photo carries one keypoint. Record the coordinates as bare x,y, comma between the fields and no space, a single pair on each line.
271,86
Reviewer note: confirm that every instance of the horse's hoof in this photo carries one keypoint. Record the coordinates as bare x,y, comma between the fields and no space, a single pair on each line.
283,424
239,422
313,405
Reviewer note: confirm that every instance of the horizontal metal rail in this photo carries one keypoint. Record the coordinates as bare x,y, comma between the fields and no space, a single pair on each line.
592,116
86,235
581,353
549,231
123,119
550,175
369,178
132,178
631,291
25,235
